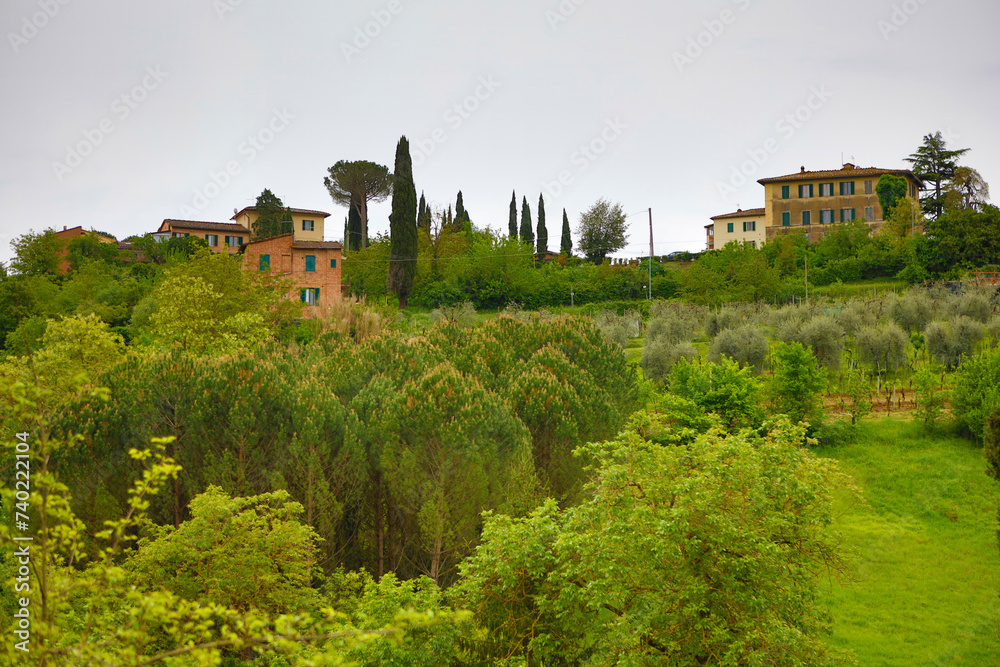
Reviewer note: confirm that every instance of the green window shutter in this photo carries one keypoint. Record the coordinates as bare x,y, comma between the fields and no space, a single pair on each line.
800,192
333,263
302,295
786,219
842,217
805,217
853,214
784,192
310,263
316,292
265,262
729,227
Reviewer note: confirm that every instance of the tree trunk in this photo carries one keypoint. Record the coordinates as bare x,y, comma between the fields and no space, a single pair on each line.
364,223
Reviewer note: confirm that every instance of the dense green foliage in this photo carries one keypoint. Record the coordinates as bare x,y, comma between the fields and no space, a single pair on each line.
402,226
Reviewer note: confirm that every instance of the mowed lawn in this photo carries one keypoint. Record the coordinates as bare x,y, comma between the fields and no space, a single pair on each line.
927,563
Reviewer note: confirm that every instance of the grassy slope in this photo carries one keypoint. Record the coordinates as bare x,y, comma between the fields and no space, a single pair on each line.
928,566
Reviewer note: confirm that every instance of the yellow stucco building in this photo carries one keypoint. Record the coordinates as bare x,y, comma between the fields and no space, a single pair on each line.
742,226
809,201
306,225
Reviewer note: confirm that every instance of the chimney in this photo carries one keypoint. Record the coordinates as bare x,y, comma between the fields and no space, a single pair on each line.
803,170
64,228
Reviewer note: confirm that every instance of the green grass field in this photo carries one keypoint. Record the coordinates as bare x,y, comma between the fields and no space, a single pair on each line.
927,564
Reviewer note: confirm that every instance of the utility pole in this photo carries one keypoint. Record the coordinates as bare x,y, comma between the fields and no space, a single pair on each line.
649,295
807,276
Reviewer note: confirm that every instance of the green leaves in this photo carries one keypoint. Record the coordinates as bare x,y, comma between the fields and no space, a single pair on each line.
682,555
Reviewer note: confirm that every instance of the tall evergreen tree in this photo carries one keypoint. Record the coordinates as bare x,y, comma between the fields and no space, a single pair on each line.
542,236
354,184
936,165
566,245
403,225
512,223
424,215
354,229
271,215
463,222
527,233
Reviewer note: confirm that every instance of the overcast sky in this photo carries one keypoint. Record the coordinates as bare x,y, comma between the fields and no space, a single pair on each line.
119,114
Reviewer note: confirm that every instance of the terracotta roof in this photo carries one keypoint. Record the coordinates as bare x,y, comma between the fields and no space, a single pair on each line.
208,226
269,238
317,245
847,171
301,211
749,213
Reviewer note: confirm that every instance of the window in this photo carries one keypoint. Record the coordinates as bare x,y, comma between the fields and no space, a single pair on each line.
826,216
847,188
175,235
309,296
806,217
750,226
913,190
729,227
234,241
213,239
826,189
869,213
265,262
784,192
805,191
308,225
753,244
786,219
846,214
333,263
868,187
310,263
806,236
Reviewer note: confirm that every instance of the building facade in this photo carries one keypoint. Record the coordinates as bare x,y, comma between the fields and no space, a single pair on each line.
313,266
742,226
306,225
809,202
221,236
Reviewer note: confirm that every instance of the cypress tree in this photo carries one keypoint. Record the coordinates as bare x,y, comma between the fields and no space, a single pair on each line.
463,222
424,215
566,245
527,234
459,207
354,227
543,233
403,225
513,216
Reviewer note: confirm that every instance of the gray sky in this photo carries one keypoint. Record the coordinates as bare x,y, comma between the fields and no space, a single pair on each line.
118,114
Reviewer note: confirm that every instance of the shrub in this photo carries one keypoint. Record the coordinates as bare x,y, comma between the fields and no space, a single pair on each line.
854,317
993,331
930,398
671,329
718,321
883,347
797,383
617,328
913,311
977,393
660,356
463,314
973,305
949,343
826,338
746,345
723,388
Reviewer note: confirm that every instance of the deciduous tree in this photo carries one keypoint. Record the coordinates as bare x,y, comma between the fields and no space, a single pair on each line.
602,230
